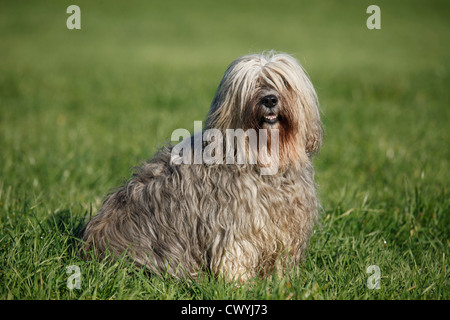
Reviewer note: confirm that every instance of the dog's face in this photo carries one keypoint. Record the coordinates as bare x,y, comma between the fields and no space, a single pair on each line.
270,92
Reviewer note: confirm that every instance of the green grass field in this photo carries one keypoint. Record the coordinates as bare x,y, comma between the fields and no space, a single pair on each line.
79,108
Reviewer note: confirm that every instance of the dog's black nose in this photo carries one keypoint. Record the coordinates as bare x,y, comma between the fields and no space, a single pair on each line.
269,101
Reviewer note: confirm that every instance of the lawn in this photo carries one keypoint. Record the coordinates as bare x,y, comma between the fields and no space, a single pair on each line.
80,108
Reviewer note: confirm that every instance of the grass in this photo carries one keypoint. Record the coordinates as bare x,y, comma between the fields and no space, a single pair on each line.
78,109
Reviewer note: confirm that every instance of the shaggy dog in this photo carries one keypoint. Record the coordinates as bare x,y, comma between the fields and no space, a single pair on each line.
230,219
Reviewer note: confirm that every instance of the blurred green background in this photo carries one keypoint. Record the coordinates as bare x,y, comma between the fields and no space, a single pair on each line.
79,108
77,101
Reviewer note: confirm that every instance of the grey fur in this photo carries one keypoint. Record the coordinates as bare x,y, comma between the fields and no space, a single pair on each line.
228,219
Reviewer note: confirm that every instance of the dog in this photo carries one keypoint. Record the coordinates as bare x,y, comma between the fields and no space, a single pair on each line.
228,219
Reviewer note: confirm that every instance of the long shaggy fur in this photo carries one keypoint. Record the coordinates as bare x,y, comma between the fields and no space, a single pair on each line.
229,219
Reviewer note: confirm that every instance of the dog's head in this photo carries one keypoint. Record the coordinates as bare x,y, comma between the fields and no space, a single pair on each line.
270,91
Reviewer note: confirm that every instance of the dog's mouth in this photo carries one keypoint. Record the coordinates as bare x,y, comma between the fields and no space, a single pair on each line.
270,118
